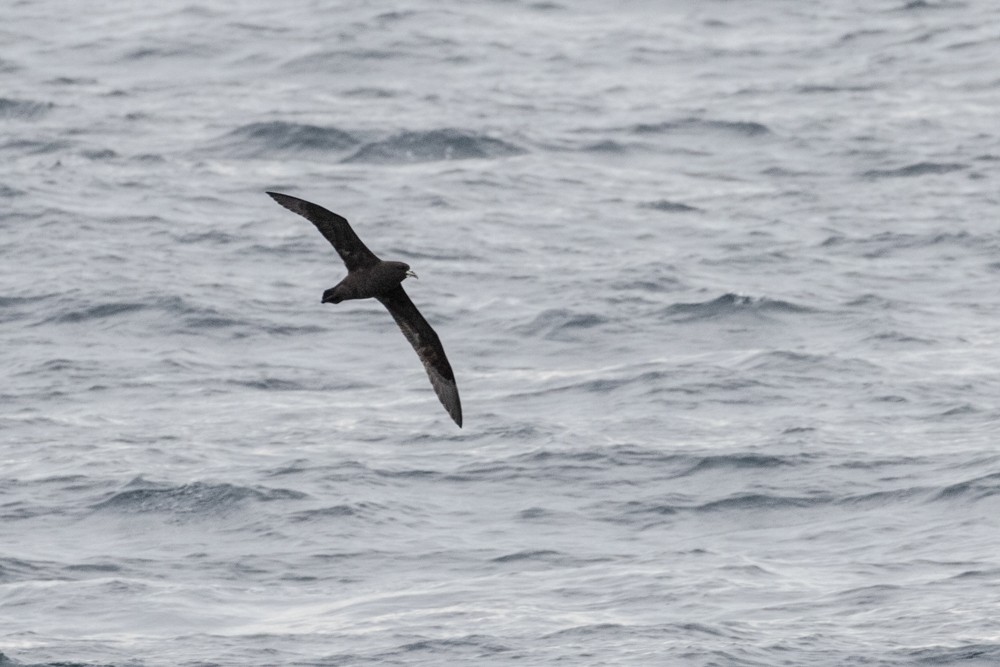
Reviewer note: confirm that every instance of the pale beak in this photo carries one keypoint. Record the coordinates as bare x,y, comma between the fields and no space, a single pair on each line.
411,273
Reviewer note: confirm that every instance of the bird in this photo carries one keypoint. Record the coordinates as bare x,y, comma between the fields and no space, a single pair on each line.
370,277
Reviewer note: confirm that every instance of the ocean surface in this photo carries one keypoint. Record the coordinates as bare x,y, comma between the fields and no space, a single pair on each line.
718,280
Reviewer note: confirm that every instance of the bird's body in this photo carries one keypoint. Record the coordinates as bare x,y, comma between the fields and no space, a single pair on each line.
368,283
370,277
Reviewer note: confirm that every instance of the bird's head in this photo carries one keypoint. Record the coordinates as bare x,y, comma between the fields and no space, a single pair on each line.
401,269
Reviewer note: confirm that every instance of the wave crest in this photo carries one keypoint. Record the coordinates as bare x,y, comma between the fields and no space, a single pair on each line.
11,108
918,169
256,139
186,500
435,145
731,304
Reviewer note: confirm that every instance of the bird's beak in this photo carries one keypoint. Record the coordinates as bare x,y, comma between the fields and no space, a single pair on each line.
411,273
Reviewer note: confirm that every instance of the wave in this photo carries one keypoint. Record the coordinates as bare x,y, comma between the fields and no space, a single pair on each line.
370,92
269,384
181,315
75,313
973,489
810,89
965,655
8,662
6,191
732,304
884,498
98,153
669,206
59,365
475,648
799,362
531,554
607,146
72,81
15,569
187,500
918,4
338,60
26,109
647,277
98,312
738,127
271,137
918,169
552,464
214,236
884,244
761,501
897,337
12,301
590,629
37,146
277,137
653,512
558,323
435,145
365,511
740,462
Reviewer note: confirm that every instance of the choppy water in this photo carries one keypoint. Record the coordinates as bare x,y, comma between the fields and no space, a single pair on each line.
718,281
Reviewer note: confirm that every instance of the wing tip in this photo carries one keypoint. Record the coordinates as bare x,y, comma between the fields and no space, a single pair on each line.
454,407
447,393
293,204
281,199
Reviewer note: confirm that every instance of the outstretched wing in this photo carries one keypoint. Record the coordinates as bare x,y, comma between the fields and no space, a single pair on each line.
332,226
428,347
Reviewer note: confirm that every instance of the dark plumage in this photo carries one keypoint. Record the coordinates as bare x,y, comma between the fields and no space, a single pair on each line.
370,277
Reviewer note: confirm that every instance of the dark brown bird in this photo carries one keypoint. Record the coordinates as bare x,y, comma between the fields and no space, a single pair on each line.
370,277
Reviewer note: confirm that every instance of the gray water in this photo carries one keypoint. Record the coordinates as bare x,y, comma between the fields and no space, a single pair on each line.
718,281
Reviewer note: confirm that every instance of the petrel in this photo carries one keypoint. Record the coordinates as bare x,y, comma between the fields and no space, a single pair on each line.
367,277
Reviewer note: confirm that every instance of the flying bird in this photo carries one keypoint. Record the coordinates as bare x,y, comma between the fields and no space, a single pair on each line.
370,277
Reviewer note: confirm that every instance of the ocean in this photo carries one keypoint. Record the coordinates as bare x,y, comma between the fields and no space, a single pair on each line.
718,282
